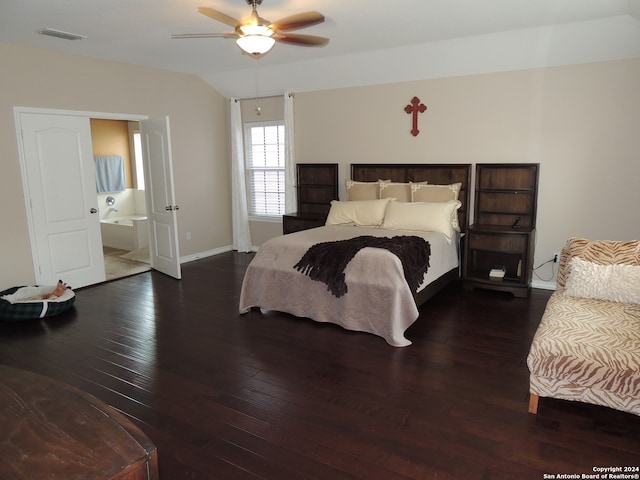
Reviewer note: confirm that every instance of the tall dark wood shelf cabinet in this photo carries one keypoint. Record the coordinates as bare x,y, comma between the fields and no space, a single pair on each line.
502,236
316,186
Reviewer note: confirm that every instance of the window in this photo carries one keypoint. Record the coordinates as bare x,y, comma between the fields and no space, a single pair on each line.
139,169
265,164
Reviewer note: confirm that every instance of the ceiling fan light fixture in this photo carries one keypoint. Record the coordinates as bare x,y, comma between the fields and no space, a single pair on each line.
255,29
256,35
255,44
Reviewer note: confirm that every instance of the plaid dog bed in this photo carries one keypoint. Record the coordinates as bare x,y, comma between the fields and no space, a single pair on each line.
22,303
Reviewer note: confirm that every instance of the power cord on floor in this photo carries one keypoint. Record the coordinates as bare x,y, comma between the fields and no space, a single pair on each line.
553,262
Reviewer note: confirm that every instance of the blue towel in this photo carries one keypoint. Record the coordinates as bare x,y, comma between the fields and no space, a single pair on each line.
109,173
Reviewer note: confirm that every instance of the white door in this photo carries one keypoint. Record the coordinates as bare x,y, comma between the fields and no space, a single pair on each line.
61,195
161,204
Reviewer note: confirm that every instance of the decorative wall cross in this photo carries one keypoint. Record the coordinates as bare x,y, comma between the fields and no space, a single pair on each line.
415,107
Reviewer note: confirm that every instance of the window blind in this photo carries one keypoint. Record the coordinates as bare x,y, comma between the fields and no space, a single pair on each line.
265,160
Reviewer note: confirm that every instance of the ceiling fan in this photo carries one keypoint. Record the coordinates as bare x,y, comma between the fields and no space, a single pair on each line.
256,36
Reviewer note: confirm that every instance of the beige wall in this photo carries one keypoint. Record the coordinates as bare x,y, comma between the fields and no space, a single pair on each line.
199,132
581,123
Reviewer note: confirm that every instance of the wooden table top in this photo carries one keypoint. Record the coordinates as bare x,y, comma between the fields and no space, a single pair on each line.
52,430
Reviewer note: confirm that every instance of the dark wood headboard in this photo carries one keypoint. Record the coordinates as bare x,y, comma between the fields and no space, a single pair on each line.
436,174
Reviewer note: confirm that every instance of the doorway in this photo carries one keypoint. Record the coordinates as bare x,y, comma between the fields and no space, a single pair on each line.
59,185
117,151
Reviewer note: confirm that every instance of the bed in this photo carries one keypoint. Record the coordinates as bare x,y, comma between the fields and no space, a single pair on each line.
378,299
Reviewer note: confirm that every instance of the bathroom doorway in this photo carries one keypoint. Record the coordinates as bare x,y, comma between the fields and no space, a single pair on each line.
121,196
57,144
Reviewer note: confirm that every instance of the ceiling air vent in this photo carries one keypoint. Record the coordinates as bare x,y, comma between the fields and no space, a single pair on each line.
52,32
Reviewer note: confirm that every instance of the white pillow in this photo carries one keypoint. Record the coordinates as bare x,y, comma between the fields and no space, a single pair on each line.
369,213
422,216
615,283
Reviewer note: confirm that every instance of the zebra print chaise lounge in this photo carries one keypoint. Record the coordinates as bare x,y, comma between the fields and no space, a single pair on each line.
587,346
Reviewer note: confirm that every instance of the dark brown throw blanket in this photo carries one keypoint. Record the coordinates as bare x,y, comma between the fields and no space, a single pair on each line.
325,262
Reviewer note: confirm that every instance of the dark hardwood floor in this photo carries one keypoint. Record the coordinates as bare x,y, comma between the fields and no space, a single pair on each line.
274,397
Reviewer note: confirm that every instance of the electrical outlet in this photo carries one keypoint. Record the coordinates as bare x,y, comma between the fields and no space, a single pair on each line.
188,235
556,257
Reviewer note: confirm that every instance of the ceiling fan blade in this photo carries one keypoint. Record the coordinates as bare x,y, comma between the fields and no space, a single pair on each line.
302,40
219,16
204,35
300,20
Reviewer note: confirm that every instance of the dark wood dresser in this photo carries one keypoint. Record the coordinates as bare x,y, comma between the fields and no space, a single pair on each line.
53,430
316,186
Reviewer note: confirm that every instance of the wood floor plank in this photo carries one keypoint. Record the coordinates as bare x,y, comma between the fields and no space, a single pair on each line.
269,396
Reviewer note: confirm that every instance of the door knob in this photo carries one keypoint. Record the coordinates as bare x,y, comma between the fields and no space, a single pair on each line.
93,210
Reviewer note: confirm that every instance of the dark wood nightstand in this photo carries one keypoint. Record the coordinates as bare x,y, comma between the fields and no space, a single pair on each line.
502,237
489,247
294,222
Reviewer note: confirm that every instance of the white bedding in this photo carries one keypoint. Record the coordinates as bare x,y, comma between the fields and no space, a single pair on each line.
378,301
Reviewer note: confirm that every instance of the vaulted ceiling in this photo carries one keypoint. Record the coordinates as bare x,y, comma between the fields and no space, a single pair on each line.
370,41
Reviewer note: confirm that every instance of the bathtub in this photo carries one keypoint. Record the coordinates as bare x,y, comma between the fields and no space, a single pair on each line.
127,232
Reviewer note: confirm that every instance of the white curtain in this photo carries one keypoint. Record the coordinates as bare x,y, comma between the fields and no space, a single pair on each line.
239,210
290,201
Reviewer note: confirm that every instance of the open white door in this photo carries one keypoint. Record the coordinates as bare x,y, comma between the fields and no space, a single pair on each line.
60,194
161,204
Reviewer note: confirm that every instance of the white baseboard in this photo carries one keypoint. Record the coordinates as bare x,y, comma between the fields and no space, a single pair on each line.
543,285
208,253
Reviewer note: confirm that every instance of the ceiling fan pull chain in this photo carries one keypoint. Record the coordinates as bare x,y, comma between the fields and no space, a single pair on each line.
255,72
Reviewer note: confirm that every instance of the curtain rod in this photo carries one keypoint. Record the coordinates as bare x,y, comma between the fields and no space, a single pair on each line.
291,94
